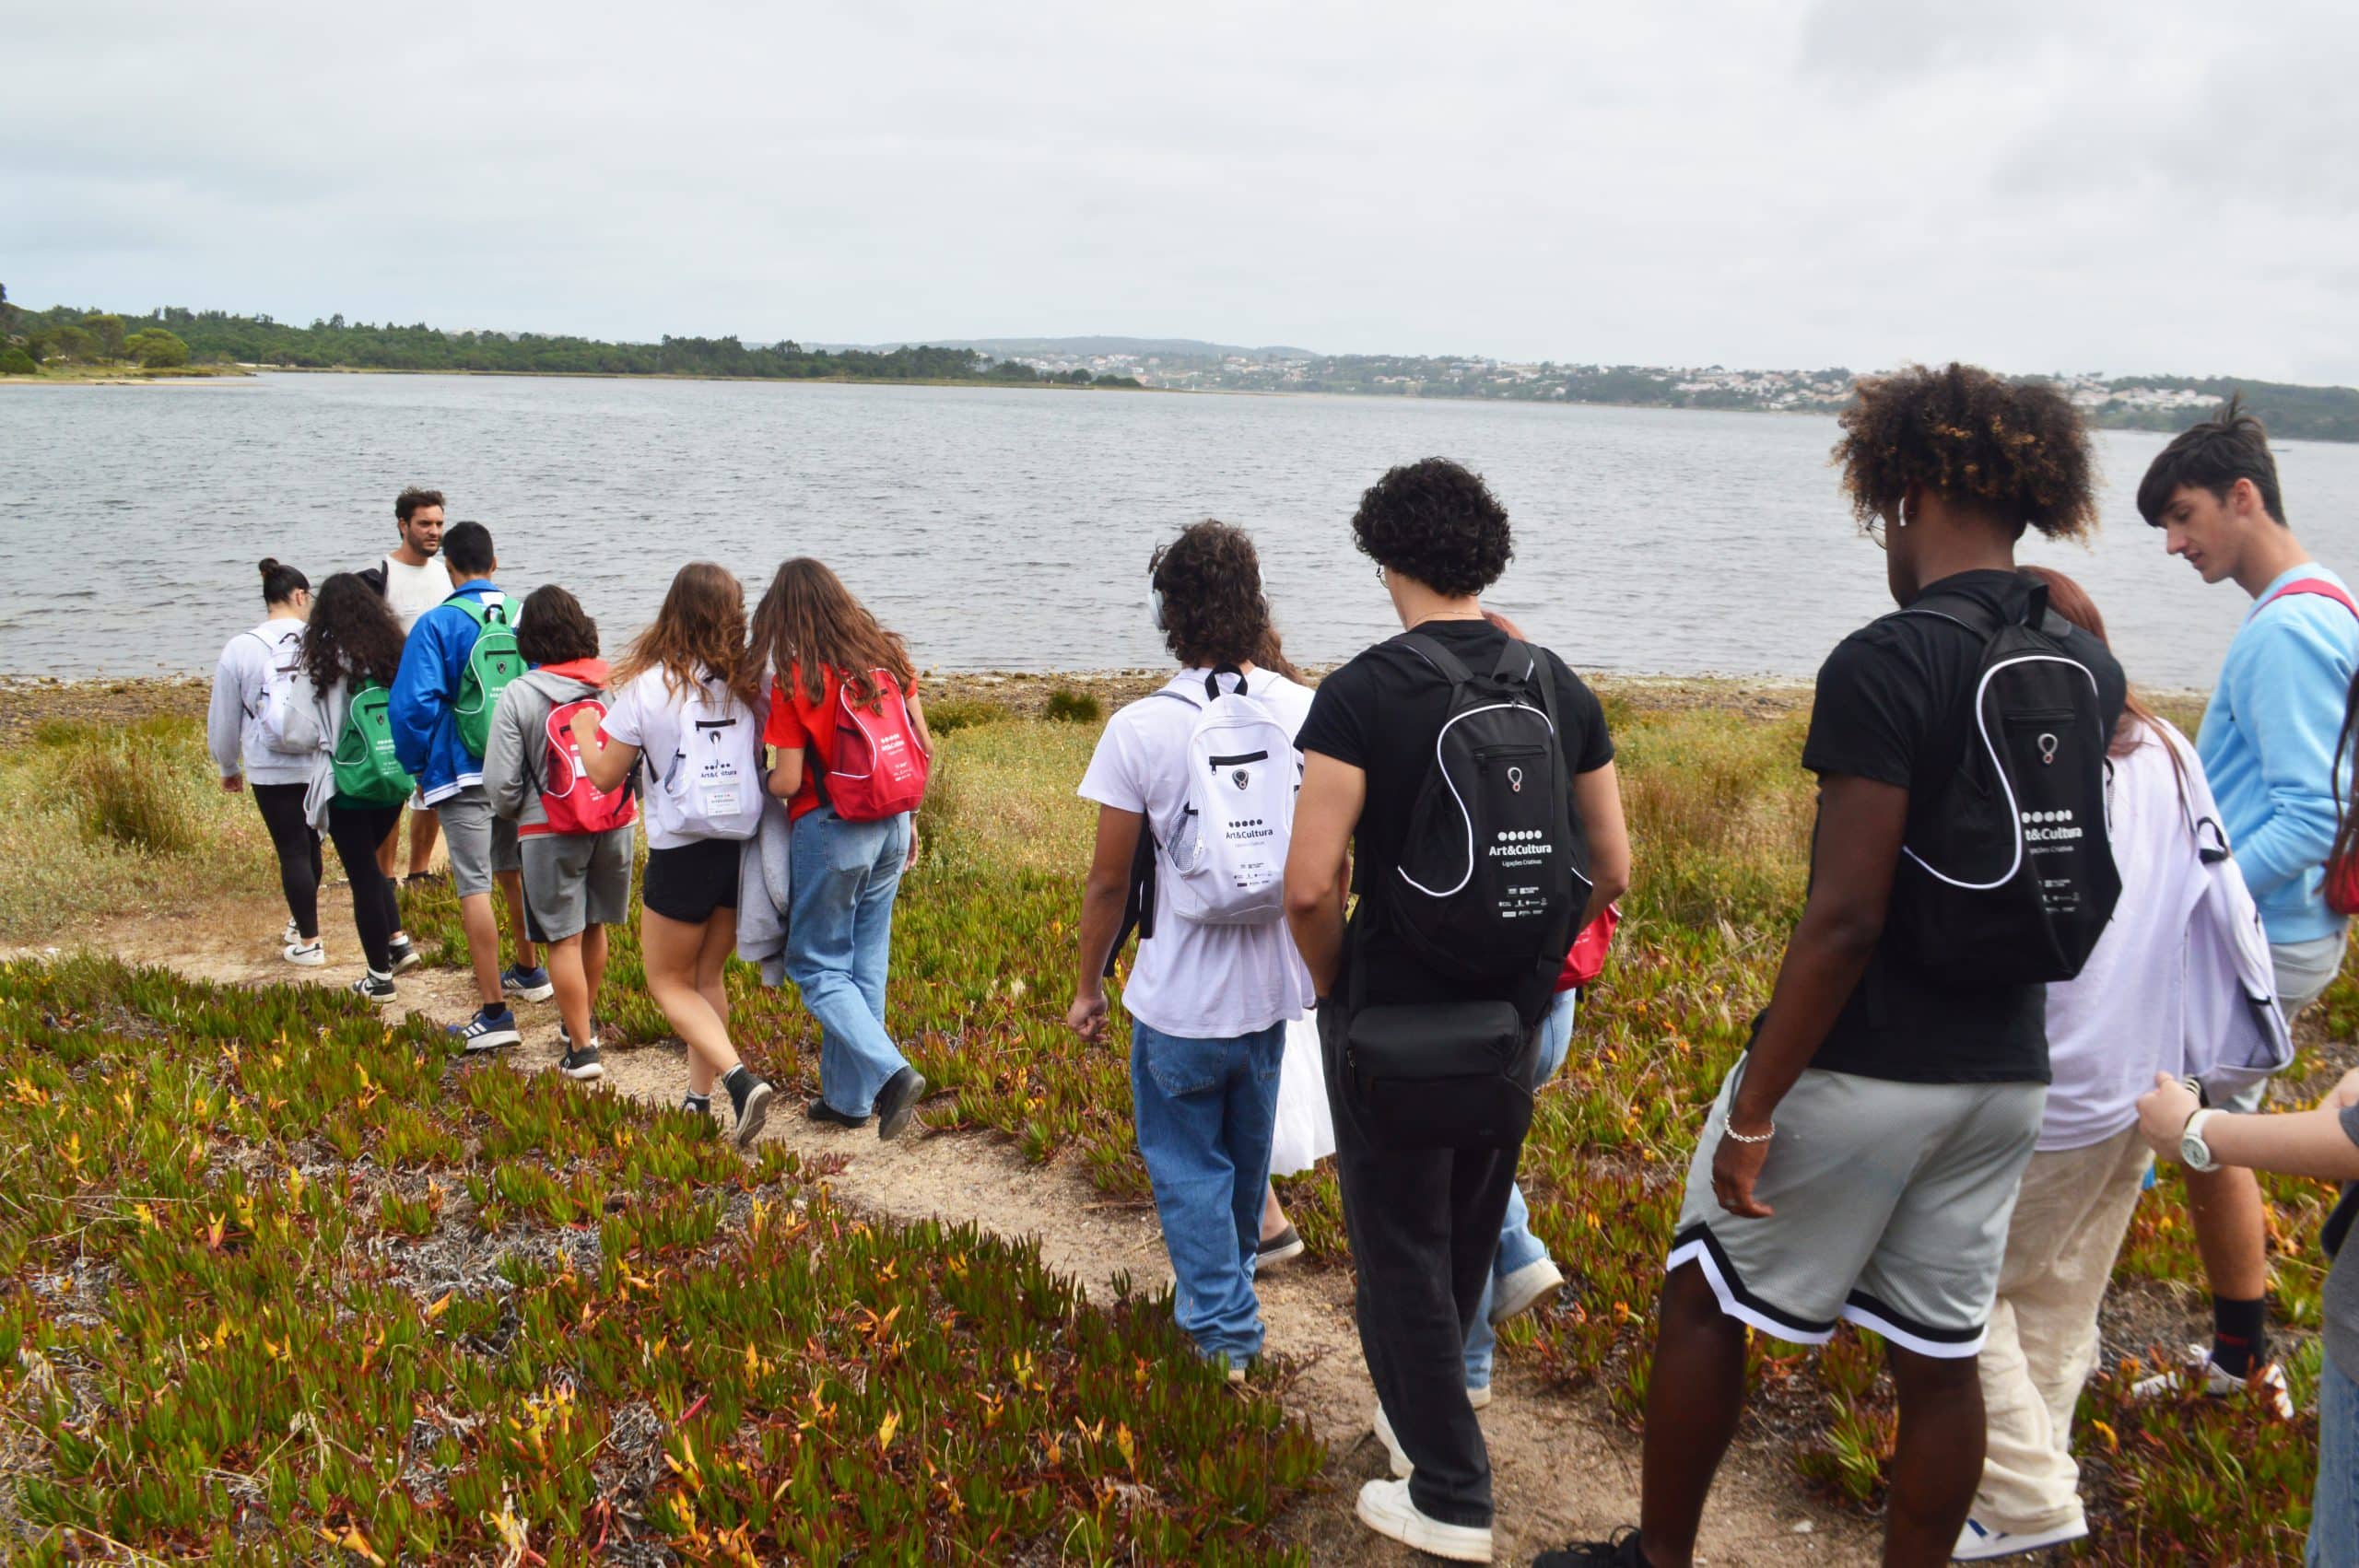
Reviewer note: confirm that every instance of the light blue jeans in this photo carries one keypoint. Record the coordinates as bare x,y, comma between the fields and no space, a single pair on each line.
840,946
1519,1248
1206,1109
2334,1508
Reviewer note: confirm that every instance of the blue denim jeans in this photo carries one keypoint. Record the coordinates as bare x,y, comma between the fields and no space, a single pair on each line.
840,946
1518,1247
2334,1508
1205,1110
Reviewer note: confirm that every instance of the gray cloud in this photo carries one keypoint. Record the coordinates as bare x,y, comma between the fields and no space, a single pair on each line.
2041,187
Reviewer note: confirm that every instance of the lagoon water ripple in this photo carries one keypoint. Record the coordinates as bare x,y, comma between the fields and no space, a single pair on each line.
999,528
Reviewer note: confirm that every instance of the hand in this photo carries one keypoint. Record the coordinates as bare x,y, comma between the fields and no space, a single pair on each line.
1736,1168
2163,1112
911,864
232,784
1505,625
1086,1016
585,728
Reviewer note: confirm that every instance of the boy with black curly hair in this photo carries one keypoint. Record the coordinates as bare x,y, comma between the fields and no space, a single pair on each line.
1424,1206
1863,1159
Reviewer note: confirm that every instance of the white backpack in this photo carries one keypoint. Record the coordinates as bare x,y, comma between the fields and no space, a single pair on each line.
1226,855
711,787
281,660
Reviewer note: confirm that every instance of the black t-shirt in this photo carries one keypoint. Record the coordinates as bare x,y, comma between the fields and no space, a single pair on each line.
1894,705
1380,713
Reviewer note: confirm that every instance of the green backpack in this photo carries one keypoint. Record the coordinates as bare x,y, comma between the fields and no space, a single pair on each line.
363,766
491,665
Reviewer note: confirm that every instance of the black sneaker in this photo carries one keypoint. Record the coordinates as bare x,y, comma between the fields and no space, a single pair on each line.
581,1065
373,986
487,1031
828,1115
1283,1247
405,957
754,1112
1620,1552
697,1105
897,1100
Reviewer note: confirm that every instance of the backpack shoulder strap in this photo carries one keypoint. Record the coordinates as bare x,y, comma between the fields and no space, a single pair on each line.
1431,651
2316,585
1959,610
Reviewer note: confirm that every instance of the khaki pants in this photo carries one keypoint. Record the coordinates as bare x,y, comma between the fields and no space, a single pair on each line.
2070,1218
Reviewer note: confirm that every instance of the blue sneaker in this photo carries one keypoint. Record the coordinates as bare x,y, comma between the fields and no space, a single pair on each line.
526,985
487,1031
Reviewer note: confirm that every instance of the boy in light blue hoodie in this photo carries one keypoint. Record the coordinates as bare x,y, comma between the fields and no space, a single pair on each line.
2269,741
422,710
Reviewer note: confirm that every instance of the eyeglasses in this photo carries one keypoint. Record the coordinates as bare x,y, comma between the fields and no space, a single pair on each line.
1875,531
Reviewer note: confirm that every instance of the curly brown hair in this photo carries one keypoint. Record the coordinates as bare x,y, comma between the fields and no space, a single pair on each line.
352,635
1437,521
2016,450
1214,610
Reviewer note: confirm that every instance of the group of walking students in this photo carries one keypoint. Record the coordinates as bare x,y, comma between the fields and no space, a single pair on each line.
2045,937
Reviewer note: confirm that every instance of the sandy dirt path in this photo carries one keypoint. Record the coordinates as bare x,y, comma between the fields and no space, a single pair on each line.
1561,1465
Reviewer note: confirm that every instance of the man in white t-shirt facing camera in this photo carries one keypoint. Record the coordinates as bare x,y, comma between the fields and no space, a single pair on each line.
413,578
1198,782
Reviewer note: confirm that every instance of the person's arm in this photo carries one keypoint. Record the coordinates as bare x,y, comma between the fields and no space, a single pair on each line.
2302,1143
786,772
605,761
421,692
2291,703
917,722
504,754
1325,813
1851,872
1598,794
1102,897
225,720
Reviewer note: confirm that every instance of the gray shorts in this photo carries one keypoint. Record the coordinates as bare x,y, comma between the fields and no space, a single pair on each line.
477,842
2305,969
576,879
1892,1206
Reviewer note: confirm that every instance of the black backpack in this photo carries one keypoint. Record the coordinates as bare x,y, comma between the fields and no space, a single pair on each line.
2008,877
1493,870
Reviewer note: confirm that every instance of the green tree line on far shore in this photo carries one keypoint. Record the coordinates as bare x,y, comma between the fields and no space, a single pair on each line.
174,336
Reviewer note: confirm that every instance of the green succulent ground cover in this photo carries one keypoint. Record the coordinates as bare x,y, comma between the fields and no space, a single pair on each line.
279,1283
1720,814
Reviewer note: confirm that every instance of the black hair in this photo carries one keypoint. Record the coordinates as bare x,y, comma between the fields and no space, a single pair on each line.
280,583
406,504
1214,610
554,627
466,546
2016,451
1438,523
2229,446
353,634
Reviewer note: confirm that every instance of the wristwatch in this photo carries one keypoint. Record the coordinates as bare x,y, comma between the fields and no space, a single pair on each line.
2193,1152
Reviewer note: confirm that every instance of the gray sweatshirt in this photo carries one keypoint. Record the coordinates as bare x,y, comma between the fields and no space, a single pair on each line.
237,723
516,757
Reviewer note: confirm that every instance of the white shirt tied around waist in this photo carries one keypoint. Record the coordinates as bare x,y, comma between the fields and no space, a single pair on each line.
2180,981
1194,980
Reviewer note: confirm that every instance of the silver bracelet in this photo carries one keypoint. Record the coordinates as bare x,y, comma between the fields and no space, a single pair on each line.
1727,1129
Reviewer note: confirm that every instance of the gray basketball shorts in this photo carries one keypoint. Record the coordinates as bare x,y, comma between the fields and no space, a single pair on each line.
1891,1206
479,843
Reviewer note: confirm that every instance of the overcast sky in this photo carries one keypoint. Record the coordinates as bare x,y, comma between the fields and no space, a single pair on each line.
2064,185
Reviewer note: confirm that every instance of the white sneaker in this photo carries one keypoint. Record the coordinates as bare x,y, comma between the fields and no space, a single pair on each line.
1386,1508
1534,1285
2201,1374
1480,1398
1400,1466
1979,1543
292,936
304,955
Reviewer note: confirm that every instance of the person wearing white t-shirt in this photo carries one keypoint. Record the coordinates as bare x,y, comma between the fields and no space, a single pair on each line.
1209,1001
413,578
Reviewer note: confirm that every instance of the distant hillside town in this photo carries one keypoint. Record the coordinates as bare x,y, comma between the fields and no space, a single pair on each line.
2146,402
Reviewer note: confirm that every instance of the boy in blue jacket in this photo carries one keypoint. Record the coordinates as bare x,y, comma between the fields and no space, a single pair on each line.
482,846
2268,743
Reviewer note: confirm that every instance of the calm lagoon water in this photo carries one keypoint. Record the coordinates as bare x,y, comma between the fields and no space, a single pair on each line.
997,529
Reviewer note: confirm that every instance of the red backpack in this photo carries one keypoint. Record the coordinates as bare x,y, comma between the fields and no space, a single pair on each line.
571,803
2342,873
880,770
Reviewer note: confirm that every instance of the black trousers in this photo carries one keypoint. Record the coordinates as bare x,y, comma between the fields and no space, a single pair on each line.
298,851
1424,1226
359,832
